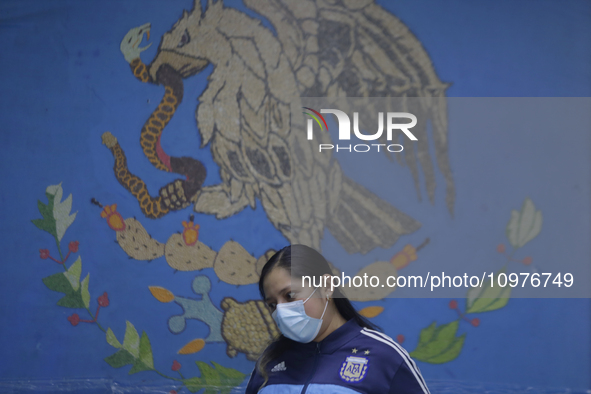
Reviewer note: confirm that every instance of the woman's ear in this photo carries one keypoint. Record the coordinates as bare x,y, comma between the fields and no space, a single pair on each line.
326,290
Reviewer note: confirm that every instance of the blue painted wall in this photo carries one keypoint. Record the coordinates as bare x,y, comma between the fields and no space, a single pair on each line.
64,83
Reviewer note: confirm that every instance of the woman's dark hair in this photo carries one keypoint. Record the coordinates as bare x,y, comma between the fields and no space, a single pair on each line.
306,262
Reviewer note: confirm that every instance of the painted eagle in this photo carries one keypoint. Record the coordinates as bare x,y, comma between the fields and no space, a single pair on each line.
322,48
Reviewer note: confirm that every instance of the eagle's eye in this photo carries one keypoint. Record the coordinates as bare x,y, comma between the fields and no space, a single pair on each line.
185,39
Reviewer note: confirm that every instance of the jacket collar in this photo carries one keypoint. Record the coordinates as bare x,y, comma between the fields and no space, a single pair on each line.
334,341
340,337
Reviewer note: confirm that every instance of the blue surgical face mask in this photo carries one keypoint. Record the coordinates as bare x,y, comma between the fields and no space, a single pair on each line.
294,323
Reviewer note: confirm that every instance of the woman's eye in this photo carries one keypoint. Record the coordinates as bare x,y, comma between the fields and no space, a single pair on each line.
291,295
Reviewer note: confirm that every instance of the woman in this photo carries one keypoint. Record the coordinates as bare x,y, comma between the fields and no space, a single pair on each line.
325,346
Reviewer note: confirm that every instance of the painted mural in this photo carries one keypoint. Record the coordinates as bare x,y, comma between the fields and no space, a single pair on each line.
175,244
349,49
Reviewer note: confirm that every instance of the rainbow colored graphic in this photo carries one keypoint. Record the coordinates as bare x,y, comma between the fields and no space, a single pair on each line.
315,118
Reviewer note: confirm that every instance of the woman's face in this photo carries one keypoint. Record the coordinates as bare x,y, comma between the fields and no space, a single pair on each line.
279,289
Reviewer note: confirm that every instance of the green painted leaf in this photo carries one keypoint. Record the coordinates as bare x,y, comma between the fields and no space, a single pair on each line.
131,341
60,283
45,225
146,351
54,190
214,380
490,304
194,384
73,273
210,376
48,221
139,367
56,214
439,345
112,339
84,291
451,352
72,300
427,333
63,219
120,359
60,211
231,376
524,225
447,331
46,210
489,297
142,361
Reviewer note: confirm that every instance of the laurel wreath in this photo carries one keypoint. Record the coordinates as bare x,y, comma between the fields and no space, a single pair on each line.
437,343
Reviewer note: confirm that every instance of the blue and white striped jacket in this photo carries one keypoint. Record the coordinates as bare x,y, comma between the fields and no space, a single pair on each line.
351,360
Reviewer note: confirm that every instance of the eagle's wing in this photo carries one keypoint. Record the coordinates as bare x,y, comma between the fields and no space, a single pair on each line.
355,48
244,114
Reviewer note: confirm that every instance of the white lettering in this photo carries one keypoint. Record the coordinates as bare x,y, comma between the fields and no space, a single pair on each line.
368,137
401,126
344,123
371,281
395,151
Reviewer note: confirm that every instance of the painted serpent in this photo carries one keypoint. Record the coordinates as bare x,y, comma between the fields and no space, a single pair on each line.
177,194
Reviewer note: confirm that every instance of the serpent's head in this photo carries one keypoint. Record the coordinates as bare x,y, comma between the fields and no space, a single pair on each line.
130,45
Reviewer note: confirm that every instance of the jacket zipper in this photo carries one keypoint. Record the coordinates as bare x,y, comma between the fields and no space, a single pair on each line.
316,356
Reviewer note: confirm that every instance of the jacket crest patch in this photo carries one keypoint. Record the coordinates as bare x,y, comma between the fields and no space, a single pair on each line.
354,368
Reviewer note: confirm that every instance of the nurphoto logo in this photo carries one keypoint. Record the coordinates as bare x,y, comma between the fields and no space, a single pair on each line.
345,129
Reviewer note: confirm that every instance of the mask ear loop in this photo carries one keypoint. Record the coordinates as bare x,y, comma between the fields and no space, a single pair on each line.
311,295
325,306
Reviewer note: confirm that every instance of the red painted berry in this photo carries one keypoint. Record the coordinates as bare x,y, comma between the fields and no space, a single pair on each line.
73,246
74,319
43,253
453,304
172,392
399,338
475,322
527,260
501,248
103,300
175,366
